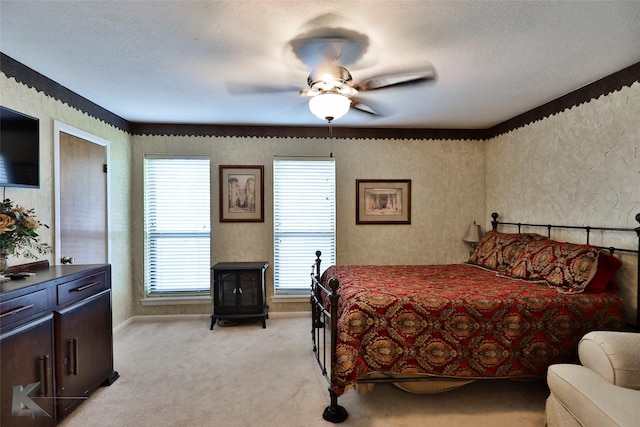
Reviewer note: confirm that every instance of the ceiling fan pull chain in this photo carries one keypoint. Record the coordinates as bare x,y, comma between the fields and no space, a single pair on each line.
331,138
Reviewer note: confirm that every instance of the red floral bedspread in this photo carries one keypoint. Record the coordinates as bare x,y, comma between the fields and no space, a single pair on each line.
457,320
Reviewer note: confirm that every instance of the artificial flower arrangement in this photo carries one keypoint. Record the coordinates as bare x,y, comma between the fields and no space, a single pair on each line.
18,234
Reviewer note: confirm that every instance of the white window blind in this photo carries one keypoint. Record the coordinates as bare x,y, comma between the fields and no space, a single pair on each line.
177,226
304,220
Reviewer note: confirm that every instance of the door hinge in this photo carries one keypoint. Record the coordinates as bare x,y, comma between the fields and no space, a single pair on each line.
104,168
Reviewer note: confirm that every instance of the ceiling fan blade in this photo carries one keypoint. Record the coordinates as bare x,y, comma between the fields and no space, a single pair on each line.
252,89
359,105
382,82
314,51
332,44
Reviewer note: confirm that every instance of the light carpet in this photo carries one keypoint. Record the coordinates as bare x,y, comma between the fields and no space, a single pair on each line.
179,373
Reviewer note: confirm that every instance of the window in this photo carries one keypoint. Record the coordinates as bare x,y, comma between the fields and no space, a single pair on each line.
177,226
304,211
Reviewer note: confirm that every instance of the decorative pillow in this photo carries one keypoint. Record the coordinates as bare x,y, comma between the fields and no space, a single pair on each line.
497,250
567,267
605,278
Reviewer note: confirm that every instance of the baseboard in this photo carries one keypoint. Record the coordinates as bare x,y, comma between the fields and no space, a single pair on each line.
178,317
159,318
118,328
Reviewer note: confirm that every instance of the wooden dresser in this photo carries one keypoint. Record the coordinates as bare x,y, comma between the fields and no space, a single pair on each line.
56,343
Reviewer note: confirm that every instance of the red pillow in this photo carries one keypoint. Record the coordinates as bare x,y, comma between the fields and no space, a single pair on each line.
565,266
605,277
497,250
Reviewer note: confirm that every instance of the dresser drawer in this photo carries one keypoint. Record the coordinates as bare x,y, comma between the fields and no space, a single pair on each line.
76,290
22,307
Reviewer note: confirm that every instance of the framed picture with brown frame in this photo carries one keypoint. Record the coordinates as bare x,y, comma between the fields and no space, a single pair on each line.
241,193
383,201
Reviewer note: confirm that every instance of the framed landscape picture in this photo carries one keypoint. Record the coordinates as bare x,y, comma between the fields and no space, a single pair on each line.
241,193
380,201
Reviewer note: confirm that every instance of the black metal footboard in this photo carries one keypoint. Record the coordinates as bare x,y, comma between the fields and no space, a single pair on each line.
320,317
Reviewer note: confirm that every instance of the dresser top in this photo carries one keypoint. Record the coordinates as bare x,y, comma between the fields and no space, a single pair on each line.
52,273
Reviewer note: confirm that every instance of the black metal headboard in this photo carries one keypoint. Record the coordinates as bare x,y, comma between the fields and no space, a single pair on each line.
588,229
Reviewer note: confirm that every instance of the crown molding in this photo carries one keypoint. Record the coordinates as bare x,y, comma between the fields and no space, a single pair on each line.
31,78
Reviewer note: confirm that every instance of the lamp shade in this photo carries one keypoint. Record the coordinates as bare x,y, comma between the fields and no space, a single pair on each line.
329,106
473,234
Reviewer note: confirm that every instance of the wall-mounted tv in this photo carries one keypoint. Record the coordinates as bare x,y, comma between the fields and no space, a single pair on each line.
19,150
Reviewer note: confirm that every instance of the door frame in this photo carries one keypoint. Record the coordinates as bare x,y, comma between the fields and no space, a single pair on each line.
70,130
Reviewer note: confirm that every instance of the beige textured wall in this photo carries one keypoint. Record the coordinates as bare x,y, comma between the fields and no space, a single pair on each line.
26,100
581,166
578,167
447,194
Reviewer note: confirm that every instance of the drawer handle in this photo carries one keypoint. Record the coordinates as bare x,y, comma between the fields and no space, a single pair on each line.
73,356
44,377
85,287
16,311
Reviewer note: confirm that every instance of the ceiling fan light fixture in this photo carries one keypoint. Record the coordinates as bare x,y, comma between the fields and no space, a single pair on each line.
329,106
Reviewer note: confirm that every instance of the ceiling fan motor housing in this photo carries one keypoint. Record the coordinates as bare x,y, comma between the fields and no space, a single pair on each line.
331,78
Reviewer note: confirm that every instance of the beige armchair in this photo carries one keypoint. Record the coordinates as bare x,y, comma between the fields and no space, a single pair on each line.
604,390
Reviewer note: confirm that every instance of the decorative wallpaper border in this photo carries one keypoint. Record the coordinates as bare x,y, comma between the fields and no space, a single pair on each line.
604,86
31,78
300,131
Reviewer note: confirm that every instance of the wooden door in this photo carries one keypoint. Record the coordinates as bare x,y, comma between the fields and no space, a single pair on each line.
83,349
82,220
27,358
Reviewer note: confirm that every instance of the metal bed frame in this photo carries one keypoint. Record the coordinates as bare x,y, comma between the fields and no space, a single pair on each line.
320,314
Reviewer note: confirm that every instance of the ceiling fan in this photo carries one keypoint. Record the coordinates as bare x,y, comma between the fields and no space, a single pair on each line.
330,86
333,91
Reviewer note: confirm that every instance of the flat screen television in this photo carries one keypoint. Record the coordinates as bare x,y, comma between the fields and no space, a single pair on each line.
19,150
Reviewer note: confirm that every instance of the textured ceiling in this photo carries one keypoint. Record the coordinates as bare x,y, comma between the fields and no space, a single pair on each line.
173,61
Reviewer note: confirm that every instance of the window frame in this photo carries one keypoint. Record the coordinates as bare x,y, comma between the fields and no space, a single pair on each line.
311,200
179,272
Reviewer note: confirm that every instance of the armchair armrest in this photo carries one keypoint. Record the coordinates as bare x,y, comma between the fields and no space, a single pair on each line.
615,356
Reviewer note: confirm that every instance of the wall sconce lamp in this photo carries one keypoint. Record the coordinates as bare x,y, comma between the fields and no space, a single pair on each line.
472,236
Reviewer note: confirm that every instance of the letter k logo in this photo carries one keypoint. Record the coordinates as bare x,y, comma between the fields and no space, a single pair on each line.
22,405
